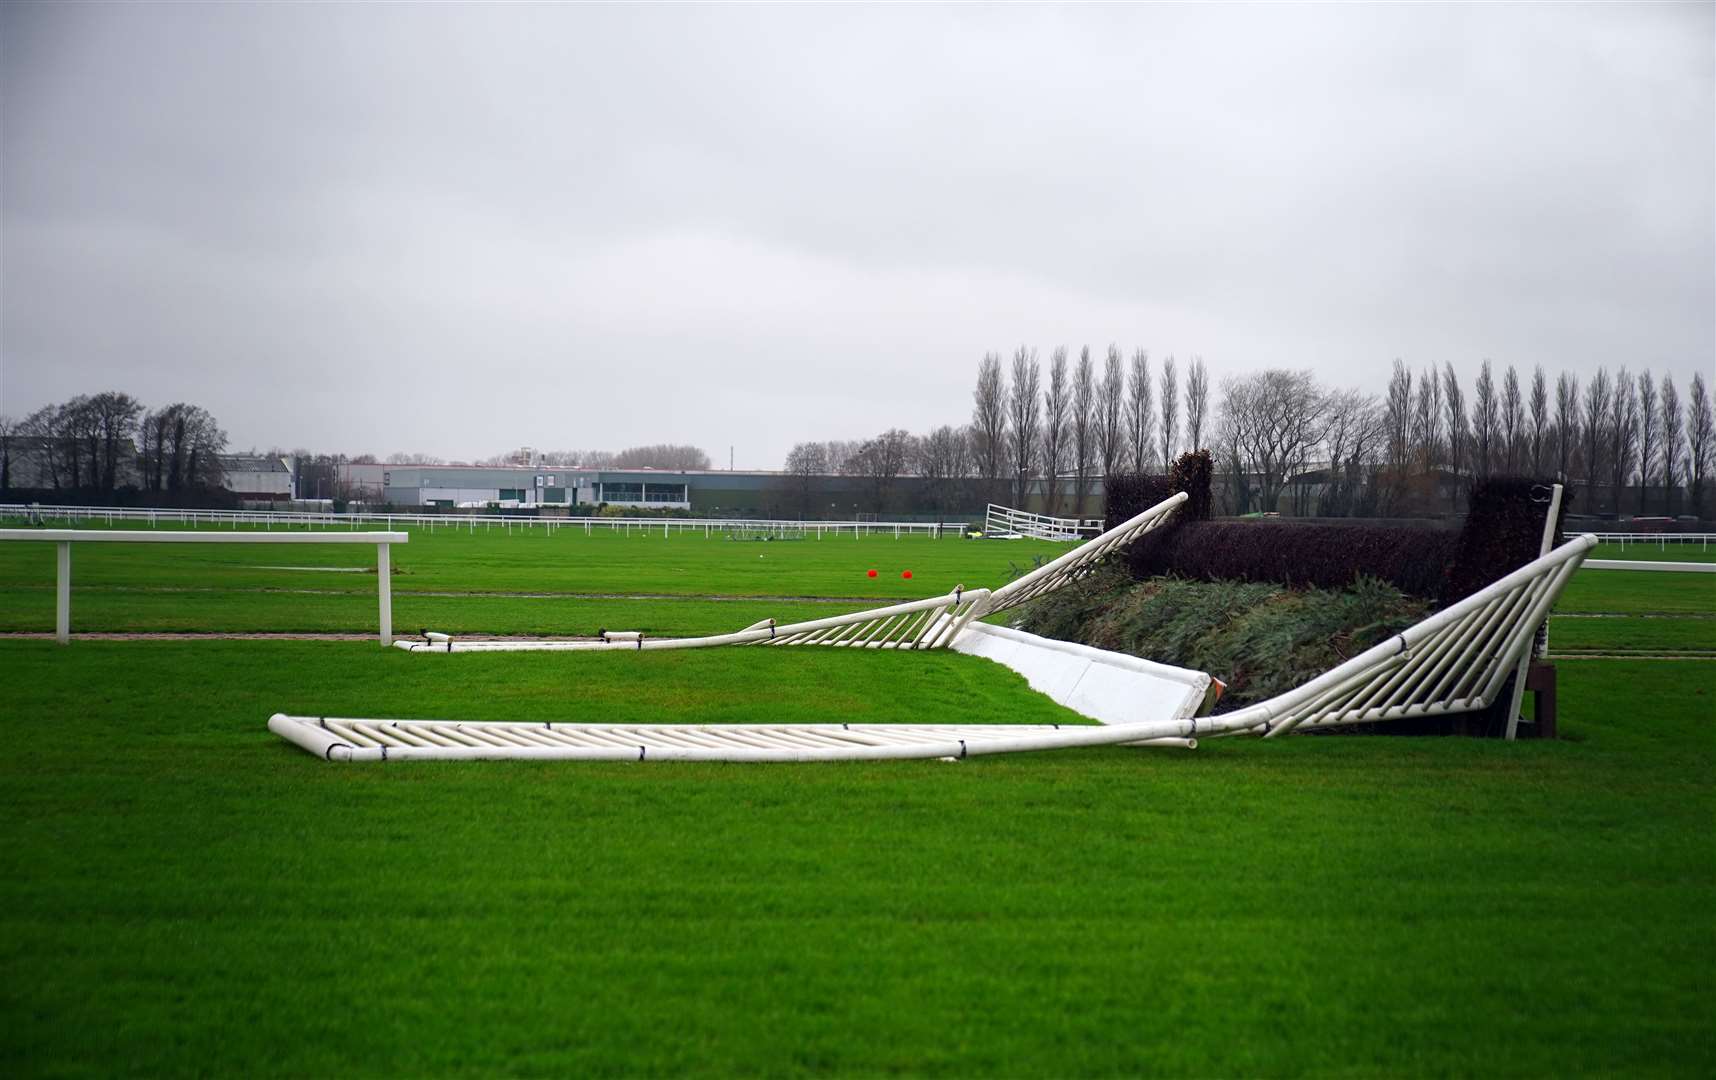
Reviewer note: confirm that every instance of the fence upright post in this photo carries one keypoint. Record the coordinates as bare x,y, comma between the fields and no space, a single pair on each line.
384,591
62,598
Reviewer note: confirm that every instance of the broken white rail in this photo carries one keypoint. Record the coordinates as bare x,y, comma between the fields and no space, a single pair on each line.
1457,660
65,538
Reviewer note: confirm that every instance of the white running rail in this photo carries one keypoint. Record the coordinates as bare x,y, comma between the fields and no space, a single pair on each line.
65,538
1457,660
1004,521
284,519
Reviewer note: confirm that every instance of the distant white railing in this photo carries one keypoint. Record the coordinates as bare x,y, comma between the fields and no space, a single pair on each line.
1661,540
1001,520
1651,564
65,538
270,519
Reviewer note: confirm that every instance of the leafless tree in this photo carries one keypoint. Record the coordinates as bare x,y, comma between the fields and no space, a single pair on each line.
1566,423
1700,440
1427,421
1025,420
1673,445
1399,417
1084,427
1649,445
8,437
1353,429
1486,422
403,457
1170,410
806,462
1140,420
1459,434
1111,412
1539,419
989,425
881,461
841,454
1596,422
1271,420
944,462
1512,421
1623,433
1055,402
112,430
39,432
1197,401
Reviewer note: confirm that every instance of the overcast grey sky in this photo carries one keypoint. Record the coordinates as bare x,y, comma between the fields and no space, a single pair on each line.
458,229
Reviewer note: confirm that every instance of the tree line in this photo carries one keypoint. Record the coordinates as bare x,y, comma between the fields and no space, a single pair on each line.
1284,440
101,442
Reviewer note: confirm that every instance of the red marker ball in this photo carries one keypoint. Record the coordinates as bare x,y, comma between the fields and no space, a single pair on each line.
906,574
872,573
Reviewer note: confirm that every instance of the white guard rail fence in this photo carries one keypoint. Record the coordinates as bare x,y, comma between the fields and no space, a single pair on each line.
1004,521
1457,660
65,538
283,519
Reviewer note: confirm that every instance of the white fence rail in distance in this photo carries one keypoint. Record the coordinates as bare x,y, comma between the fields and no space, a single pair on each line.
63,539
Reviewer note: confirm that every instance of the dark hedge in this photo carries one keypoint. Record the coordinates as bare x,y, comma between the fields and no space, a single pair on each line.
1130,494
1413,559
1503,531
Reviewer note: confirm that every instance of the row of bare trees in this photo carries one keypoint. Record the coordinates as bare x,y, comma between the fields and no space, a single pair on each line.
100,442
677,456
1628,443
1285,441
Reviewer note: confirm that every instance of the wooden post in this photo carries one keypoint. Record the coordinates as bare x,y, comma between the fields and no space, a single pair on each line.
384,591
62,595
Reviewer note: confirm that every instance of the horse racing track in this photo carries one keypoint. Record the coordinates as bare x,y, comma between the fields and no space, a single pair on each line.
181,891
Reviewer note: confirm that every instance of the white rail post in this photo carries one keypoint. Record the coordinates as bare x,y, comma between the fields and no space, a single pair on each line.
384,591
1519,674
62,595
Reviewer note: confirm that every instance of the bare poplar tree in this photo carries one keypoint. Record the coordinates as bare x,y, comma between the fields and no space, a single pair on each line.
1055,402
1596,422
1170,410
1649,446
1512,421
1623,433
1566,423
1486,422
1459,435
1024,420
1427,421
1139,419
1354,427
1197,401
1084,425
1673,445
1111,414
1700,440
1539,419
1399,417
989,425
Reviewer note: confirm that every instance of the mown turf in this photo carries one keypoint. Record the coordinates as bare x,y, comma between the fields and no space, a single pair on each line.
1639,592
1632,635
180,892
1657,551
565,561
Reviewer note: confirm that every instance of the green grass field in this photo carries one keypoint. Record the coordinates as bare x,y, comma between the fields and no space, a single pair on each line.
182,892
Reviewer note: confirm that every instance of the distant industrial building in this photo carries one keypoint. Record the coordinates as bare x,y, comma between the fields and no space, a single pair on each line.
257,477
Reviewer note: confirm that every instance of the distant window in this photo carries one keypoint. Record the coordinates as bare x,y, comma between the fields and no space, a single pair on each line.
516,494
623,492
663,493
554,494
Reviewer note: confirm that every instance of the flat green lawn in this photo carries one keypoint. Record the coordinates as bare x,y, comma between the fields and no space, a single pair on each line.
1639,592
1632,635
181,892
1676,552
564,561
